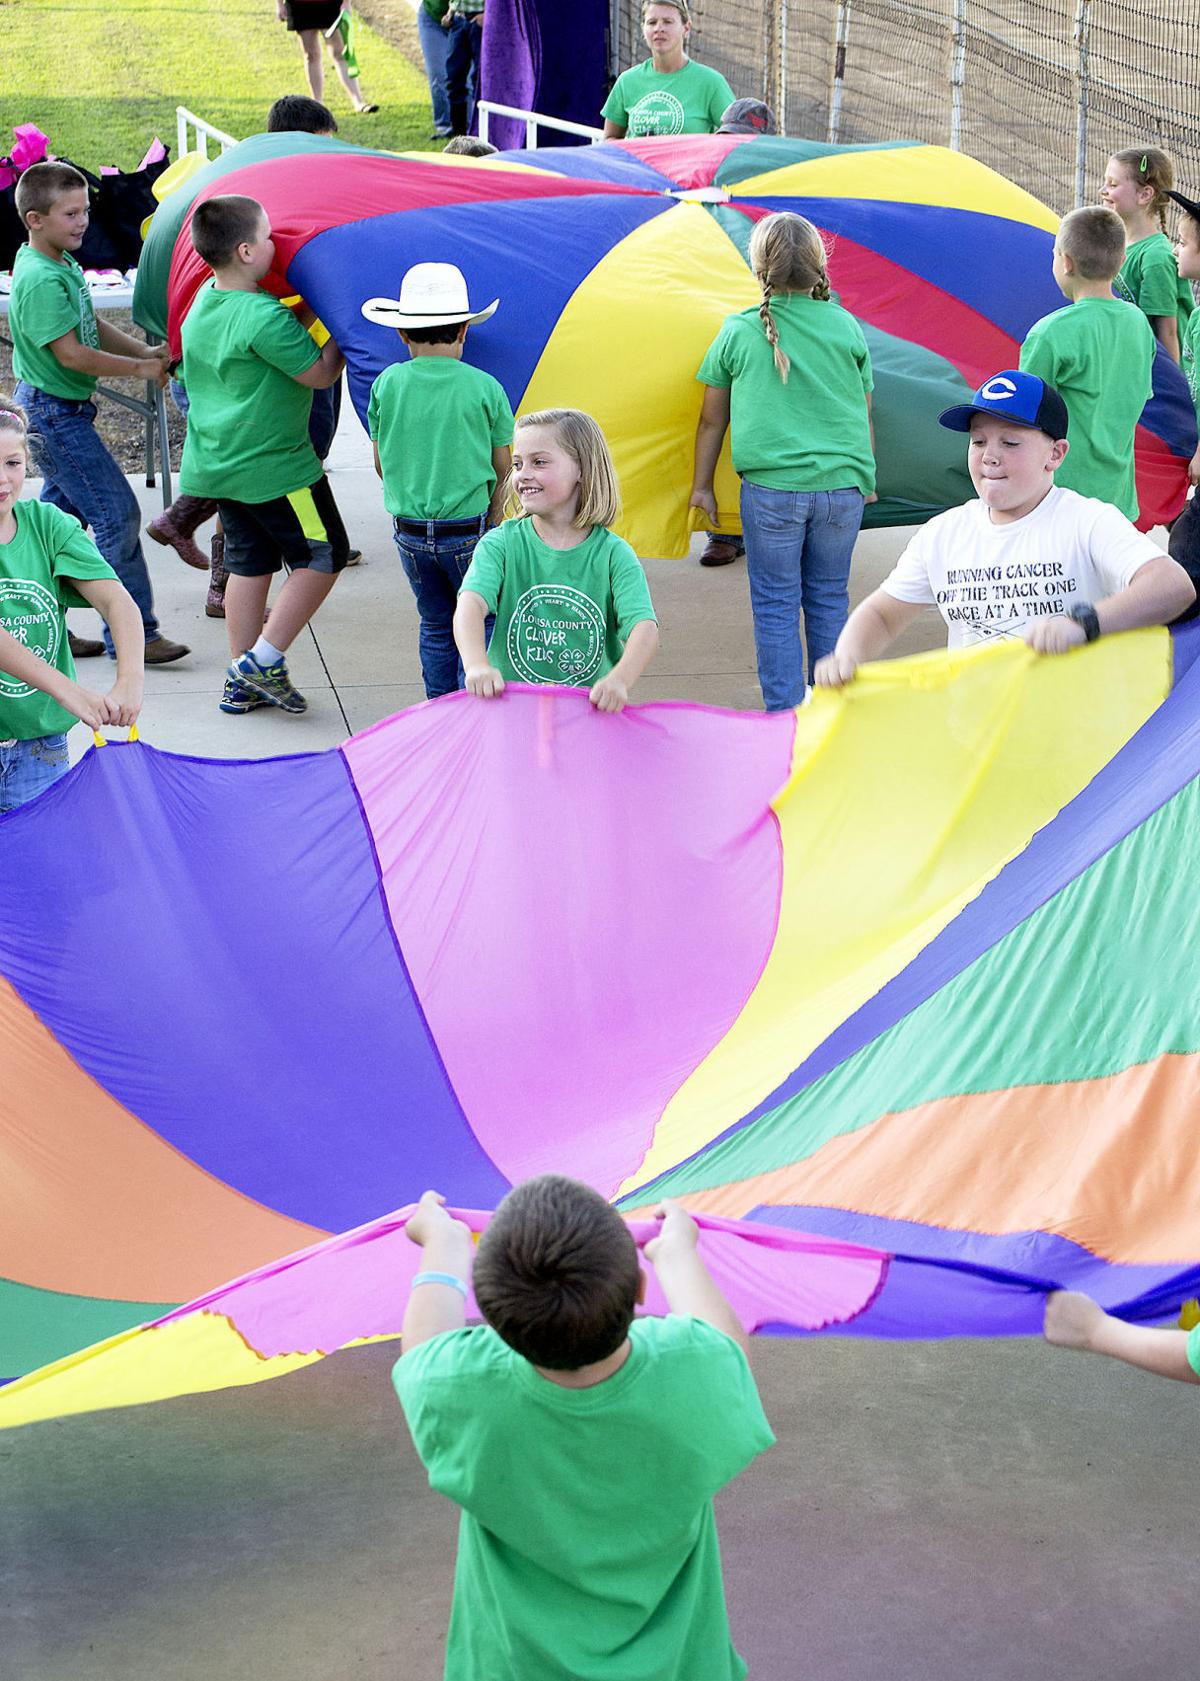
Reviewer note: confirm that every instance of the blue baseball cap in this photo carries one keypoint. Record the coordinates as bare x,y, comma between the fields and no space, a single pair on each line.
1024,399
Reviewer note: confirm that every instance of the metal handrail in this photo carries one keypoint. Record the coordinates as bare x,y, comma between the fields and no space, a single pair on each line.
533,120
186,120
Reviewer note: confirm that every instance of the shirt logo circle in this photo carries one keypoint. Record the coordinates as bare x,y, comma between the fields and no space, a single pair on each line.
656,113
556,635
31,613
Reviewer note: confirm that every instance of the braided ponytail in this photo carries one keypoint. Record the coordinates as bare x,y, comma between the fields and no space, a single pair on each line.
787,255
782,360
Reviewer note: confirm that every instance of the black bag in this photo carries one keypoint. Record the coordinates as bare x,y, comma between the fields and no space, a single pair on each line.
122,205
1184,546
12,234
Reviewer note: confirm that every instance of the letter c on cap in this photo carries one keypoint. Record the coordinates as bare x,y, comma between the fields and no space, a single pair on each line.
997,389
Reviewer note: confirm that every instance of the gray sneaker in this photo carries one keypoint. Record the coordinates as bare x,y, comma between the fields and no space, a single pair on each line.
240,697
270,681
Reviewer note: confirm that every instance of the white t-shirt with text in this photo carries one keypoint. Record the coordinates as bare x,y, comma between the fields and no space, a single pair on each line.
991,580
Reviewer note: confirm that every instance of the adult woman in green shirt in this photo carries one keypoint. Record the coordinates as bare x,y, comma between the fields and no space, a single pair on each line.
669,93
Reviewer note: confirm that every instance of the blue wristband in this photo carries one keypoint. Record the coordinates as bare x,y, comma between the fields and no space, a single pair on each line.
440,1278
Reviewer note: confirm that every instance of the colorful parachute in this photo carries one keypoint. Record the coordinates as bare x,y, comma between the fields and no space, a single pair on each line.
615,265
896,991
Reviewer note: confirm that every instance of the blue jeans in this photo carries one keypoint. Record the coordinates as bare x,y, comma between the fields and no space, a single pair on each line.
436,565
435,49
798,550
80,477
27,768
323,420
462,72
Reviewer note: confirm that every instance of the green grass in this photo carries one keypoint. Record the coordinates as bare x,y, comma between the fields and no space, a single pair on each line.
103,77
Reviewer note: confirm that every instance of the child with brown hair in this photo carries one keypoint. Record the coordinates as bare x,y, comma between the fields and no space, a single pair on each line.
250,369
583,1446
1137,185
1097,355
60,349
792,379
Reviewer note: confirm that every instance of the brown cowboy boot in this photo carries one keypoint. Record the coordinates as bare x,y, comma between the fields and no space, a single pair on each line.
214,605
175,525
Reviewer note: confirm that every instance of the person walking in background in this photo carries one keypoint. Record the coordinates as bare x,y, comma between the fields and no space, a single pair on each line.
433,31
310,19
462,63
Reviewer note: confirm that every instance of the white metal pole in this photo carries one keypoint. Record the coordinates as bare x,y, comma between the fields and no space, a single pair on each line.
957,72
841,42
1083,20
783,65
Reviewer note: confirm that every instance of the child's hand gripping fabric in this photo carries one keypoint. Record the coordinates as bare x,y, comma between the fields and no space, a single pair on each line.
438,1301
1076,1321
686,1282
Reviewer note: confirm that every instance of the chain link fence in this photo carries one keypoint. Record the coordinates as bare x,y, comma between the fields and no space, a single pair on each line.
1041,90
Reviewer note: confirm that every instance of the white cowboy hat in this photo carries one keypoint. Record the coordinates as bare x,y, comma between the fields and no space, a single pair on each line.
431,295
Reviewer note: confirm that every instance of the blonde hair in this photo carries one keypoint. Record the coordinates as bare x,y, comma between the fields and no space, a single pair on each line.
1150,166
14,419
680,6
578,434
787,254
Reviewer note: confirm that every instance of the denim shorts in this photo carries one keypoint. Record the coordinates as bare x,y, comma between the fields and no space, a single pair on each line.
28,768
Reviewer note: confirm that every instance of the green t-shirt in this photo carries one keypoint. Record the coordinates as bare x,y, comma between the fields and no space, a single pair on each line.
47,300
247,426
436,421
1193,1348
1190,357
587,1547
649,101
36,568
812,433
1097,353
562,615
1150,279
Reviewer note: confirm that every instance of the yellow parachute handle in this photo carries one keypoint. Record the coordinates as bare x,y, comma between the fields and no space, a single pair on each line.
102,740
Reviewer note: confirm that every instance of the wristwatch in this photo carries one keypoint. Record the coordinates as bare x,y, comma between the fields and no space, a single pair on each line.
1086,616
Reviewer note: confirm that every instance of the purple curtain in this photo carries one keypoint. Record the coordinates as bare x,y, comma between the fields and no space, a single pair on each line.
544,56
